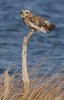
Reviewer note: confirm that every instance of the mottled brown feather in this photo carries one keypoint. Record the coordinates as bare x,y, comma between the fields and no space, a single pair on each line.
40,23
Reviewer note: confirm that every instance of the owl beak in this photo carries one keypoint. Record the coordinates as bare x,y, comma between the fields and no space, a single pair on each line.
21,12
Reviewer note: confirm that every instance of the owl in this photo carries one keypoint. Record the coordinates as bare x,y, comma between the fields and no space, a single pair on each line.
36,22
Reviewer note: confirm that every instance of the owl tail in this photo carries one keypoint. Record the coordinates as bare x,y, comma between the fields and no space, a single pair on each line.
50,27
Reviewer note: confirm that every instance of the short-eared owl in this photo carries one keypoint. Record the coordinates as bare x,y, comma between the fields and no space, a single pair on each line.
36,22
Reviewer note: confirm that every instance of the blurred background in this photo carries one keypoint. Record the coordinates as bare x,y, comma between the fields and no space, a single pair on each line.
12,30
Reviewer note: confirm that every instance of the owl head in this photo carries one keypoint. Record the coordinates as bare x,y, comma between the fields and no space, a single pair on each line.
26,13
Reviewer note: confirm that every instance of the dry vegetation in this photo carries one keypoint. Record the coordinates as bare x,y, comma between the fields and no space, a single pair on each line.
42,87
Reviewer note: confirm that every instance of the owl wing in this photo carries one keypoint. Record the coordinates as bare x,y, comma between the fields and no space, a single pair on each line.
41,24
37,21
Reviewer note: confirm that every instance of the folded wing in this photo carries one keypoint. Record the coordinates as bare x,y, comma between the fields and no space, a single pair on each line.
42,24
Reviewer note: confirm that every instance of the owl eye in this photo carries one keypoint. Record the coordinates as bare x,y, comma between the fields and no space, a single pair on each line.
26,12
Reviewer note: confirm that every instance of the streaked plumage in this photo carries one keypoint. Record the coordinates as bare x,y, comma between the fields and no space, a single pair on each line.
36,22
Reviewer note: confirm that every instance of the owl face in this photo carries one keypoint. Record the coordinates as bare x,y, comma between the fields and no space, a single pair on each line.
26,13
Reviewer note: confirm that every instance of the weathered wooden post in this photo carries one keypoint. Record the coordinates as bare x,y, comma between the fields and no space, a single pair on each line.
24,60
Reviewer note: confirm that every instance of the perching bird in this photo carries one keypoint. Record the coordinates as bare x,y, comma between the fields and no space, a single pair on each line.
36,22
